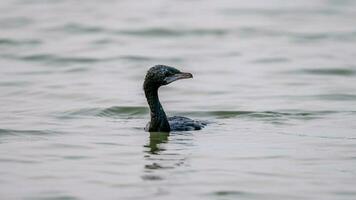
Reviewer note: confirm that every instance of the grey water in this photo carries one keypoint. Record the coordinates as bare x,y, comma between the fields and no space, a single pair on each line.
275,79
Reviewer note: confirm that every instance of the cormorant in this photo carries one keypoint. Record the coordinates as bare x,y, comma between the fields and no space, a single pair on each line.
156,77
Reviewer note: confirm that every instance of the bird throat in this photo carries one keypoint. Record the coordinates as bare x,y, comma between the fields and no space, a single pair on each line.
159,121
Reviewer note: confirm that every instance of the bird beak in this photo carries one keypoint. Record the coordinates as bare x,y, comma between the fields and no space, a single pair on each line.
182,75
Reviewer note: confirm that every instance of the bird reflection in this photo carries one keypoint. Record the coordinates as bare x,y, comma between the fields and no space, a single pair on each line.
160,159
157,138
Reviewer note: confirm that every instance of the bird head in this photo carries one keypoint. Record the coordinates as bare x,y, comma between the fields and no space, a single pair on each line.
163,75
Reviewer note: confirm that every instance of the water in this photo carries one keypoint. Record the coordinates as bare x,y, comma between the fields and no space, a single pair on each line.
276,79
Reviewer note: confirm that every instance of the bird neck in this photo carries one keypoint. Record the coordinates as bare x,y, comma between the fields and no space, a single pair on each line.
159,121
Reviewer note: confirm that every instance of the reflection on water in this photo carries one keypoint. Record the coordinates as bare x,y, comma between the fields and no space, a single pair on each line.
157,138
154,148
160,155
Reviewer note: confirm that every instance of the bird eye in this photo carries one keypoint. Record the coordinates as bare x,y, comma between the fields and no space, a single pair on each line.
168,73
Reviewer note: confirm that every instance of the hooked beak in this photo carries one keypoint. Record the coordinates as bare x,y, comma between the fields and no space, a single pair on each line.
182,75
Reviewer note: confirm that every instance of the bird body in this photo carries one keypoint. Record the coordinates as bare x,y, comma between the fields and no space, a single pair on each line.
178,123
156,77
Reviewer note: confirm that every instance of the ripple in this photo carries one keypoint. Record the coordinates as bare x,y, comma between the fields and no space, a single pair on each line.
8,160
108,143
6,132
272,60
317,136
123,111
276,117
166,32
259,114
112,112
54,59
57,59
136,58
16,83
18,42
79,112
337,97
139,111
314,37
231,193
156,166
140,58
278,12
59,197
73,28
69,146
293,36
329,71
76,157
151,177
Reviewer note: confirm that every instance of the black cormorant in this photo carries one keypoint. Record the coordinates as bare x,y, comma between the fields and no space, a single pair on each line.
157,76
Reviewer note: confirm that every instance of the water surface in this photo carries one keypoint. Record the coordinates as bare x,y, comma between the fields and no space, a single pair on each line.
276,79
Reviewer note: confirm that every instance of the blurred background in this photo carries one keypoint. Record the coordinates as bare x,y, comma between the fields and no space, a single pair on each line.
275,78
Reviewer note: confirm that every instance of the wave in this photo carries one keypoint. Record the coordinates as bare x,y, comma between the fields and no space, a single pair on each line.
111,112
18,42
329,71
14,132
128,112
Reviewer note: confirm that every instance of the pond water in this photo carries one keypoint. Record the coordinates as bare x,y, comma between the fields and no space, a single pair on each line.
275,79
